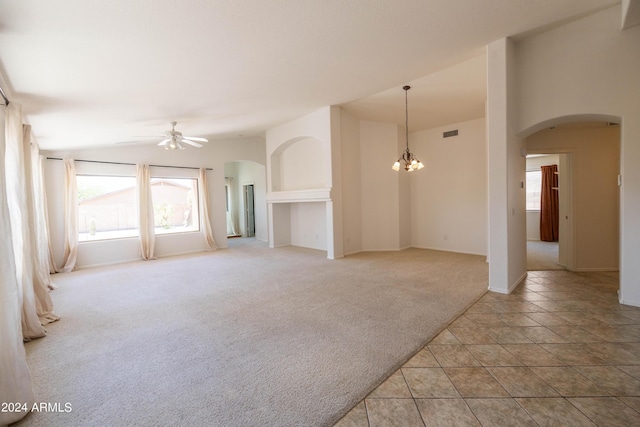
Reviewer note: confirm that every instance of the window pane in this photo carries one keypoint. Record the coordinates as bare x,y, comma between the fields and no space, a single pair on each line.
175,204
106,207
534,188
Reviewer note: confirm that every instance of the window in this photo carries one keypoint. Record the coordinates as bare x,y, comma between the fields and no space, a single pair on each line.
175,205
534,189
106,207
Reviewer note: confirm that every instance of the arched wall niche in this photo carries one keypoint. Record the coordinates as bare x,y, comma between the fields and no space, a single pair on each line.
300,164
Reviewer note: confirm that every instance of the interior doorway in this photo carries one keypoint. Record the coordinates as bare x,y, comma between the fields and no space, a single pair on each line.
544,253
249,210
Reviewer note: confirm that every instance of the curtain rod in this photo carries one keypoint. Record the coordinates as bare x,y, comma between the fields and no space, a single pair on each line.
130,164
4,96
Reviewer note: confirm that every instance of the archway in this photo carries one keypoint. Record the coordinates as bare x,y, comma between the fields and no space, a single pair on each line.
589,146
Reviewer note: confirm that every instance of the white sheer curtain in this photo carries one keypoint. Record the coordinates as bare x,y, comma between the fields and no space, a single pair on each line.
18,202
204,202
70,217
145,212
232,214
38,242
42,212
15,379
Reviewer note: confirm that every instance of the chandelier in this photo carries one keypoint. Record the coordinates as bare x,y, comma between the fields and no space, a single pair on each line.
407,160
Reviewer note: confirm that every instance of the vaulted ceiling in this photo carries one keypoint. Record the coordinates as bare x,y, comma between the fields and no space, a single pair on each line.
91,73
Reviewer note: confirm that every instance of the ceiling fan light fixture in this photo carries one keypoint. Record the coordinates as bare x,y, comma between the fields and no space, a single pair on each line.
174,140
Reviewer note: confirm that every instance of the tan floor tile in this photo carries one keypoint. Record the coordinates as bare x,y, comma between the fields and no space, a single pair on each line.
453,355
500,412
577,318
562,295
575,334
546,319
393,413
463,322
633,347
632,402
493,355
533,297
565,305
445,337
536,287
479,307
573,354
484,319
429,383
517,319
611,378
621,333
606,411
554,412
475,382
507,335
472,336
532,355
423,359
633,314
634,371
393,387
357,417
541,334
511,307
521,382
568,382
613,318
613,353
446,413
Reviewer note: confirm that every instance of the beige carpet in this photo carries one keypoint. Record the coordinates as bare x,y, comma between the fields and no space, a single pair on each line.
247,336
542,256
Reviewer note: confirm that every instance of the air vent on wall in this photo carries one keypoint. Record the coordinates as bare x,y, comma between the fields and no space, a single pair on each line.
449,133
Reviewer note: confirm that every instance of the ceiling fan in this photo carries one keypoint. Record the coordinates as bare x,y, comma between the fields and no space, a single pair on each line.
174,140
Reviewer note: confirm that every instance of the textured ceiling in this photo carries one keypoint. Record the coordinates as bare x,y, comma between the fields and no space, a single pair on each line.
97,73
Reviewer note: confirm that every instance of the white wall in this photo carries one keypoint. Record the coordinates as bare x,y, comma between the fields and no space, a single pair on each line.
589,67
449,196
308,228
303,165
213,156
352,184
380,209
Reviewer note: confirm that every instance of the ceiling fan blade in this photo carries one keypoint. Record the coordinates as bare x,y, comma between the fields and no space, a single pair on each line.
163,142
193,138
195,144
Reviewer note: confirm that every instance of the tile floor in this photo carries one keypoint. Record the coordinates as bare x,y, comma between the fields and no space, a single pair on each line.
560,350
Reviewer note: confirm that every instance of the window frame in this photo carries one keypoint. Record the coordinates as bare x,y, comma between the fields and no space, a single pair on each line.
135,231
197,223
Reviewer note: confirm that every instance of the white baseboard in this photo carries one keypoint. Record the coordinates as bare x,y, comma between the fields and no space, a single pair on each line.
511,286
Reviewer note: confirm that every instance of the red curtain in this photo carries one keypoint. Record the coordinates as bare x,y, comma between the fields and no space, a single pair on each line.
549,212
